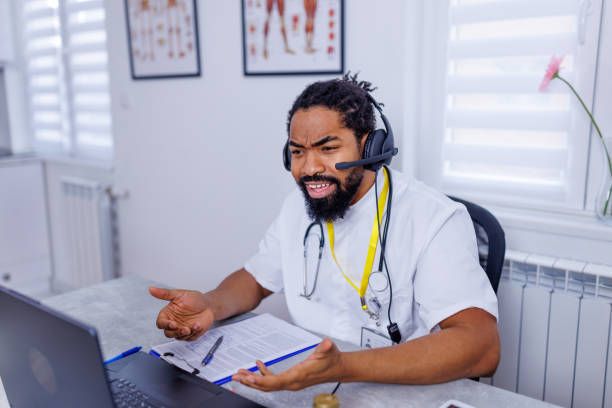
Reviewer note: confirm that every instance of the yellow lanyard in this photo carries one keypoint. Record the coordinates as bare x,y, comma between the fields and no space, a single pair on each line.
371,250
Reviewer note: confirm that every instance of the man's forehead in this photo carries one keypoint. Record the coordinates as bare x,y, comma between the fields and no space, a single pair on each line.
312,124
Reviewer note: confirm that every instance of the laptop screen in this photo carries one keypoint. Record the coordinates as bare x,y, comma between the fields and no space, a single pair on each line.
47,358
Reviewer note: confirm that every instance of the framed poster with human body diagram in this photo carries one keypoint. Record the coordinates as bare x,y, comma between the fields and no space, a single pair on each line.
163,38
292,37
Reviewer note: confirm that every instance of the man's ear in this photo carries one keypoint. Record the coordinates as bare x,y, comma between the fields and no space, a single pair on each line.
364,137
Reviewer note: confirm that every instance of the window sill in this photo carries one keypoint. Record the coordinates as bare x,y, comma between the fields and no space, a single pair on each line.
64,159
13,159
576,235
582,224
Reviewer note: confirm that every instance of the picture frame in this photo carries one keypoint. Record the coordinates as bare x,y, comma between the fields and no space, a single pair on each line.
163,38
292,37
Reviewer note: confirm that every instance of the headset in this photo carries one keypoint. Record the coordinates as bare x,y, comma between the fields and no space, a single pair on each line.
378,151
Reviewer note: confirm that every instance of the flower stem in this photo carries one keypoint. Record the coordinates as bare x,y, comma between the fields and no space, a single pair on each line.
592,120
605,210
603,142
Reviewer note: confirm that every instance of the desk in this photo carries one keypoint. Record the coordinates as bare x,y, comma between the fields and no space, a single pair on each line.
124,314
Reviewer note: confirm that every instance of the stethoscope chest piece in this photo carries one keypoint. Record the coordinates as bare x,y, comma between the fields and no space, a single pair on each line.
378,281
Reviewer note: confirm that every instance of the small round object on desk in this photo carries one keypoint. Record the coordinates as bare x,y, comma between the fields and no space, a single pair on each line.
326,401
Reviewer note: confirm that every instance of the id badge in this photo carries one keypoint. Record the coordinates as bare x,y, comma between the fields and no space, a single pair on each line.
373,339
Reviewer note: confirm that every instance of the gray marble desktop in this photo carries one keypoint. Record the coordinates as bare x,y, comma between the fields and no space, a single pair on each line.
124,314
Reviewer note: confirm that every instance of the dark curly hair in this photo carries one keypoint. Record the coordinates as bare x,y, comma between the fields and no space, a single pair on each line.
345,95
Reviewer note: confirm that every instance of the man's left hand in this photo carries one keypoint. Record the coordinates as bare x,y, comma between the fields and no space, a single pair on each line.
323,365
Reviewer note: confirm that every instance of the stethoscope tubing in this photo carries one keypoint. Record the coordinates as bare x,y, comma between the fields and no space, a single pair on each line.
321,246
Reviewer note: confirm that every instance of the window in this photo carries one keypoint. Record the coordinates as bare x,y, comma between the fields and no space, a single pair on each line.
66,76
494,136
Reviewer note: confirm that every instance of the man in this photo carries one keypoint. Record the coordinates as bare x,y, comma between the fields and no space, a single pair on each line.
440,298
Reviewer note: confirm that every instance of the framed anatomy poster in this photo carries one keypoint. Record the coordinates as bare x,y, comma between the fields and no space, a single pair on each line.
163,38
292,37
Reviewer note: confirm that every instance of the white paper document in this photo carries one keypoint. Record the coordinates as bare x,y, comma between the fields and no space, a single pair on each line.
263,337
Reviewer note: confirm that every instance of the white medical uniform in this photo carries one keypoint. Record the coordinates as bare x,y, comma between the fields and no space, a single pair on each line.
431,254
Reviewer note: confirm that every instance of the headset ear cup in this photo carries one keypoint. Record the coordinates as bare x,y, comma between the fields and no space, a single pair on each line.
287,157
374,147
388,146
367,147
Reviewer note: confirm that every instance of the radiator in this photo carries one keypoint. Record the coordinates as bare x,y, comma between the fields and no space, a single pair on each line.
554,324
90,237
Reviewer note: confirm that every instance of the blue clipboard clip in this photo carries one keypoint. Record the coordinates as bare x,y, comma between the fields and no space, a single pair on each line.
268,363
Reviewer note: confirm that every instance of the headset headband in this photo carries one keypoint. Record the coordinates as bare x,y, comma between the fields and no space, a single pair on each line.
387,145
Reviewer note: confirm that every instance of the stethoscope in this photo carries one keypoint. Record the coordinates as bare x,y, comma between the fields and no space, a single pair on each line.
305,293
377,282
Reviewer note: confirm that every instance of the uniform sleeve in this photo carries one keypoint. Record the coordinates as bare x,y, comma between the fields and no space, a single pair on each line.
449,278
265,265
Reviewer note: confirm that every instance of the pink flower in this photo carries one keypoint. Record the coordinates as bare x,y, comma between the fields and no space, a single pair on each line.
551,72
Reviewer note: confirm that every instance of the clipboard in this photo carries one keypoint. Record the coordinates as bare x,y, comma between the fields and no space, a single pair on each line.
274,339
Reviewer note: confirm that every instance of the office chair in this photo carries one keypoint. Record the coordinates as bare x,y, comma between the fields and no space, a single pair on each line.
491,240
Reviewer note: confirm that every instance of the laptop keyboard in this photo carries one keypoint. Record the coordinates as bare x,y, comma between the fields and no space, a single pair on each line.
127,395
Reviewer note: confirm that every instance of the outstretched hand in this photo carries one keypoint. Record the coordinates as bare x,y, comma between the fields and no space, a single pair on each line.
323,365
186,317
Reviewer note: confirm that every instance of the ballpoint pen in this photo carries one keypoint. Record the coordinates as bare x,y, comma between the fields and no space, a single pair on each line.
211,353
124,354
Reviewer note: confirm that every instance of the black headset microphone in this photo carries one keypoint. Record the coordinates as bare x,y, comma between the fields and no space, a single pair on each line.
363,162
378,151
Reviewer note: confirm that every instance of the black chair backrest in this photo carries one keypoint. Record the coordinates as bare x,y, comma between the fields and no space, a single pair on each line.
491,240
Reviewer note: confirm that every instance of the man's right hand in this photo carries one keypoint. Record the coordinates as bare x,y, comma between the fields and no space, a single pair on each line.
186,317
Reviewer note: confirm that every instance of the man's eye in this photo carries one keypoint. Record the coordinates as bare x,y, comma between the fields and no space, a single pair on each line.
295,152
329,148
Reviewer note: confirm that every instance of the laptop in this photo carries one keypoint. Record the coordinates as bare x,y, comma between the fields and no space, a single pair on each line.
48,359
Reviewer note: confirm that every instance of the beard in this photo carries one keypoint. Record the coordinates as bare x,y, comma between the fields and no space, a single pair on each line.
335,205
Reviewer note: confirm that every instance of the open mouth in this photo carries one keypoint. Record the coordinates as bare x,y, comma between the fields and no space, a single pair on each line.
319,189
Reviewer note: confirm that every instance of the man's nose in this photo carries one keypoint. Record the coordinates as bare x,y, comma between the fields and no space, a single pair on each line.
313,164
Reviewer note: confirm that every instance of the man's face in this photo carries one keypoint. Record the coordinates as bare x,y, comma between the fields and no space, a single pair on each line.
318,140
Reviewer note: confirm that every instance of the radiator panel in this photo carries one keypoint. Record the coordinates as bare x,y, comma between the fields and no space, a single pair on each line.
87,232
608,382
510,304
534,332
591,353
555,327
561,348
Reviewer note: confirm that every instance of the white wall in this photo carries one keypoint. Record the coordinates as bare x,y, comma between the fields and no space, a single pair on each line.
201,157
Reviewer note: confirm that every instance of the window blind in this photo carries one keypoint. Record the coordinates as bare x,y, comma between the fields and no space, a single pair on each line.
86,57
46,92
69,96
501,136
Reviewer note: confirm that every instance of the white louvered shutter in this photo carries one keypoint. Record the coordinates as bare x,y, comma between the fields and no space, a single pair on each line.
44,75
67,76
503,140
86,62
